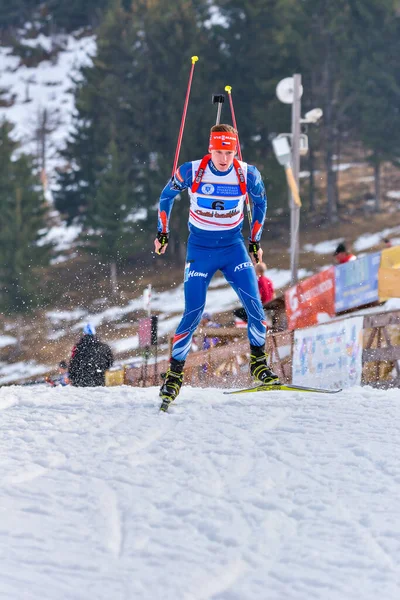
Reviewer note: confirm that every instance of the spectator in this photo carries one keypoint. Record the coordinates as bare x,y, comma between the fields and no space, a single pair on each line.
342,255
204,341
206,321
90,360
265,285
265,288
63,378
387,242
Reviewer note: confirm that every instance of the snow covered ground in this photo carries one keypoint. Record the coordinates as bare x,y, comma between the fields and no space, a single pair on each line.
269,496
363,243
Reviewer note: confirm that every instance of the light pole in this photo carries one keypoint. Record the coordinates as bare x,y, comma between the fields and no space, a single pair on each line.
294,208
289,91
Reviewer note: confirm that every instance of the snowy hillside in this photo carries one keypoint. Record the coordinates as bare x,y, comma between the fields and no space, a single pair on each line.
270,496
48,85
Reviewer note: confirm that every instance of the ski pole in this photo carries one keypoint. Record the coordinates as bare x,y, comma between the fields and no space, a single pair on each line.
228,89
179,142
218,99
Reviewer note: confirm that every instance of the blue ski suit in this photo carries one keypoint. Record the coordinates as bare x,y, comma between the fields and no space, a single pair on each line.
216,243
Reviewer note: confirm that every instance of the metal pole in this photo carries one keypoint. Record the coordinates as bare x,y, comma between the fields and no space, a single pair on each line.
228,89
218,99
218,120
149,306
294,209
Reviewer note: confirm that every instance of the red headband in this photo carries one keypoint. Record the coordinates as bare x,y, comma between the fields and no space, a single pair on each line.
223,140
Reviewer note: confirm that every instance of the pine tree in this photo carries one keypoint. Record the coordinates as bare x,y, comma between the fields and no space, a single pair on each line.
373,82
110,230
17,12
254,68
166,35
22,222
348,55
134,93
323,42
102,106
75,14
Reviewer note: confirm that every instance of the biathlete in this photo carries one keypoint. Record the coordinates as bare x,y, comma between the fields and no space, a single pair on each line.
217,186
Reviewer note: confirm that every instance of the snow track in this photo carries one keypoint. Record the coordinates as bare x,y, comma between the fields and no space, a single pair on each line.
269,496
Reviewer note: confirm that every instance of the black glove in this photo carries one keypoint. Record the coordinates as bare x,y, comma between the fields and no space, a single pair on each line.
163,239
253,249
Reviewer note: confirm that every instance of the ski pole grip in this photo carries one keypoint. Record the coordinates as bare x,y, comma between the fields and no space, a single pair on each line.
253,249
163,239
218,98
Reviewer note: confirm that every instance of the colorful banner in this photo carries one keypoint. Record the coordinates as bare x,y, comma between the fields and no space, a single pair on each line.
388,283
311,301
356,282
389,274
330,355
390,258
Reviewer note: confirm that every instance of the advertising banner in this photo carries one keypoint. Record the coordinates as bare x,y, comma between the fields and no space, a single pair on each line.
329,355
390,258
356,282
388,283
389,274
311,301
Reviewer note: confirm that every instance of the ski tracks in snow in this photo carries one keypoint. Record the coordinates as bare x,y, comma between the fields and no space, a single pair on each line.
270,495
67,461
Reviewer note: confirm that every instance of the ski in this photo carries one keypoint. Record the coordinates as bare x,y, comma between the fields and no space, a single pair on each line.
287,387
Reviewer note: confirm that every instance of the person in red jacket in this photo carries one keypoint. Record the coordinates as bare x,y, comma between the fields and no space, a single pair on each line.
342,255
265,285
265,288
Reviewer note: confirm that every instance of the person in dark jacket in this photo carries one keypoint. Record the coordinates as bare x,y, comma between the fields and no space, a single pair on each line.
90,360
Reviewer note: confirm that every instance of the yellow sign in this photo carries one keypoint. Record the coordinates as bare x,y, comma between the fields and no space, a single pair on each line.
390,258
389,274
115,377
388,283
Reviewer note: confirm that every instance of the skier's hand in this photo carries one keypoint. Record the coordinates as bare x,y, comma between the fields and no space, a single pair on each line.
161,243
256,252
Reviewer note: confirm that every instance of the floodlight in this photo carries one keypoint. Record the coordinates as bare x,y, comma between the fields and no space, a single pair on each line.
285,90
313,116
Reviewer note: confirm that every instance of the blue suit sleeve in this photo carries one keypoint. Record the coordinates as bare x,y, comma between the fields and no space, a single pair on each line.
256,191
181,181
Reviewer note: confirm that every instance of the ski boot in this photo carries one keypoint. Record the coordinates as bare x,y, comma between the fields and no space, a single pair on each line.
259,368
172,383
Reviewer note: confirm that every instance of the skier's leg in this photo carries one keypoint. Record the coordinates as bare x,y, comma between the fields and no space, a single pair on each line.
240,273
198,273
199,269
